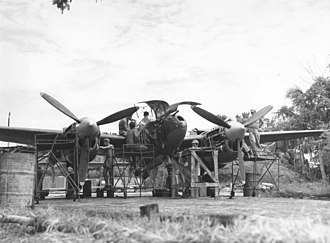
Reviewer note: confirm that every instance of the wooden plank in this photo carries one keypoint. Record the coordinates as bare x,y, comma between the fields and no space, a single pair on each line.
216,168
205,184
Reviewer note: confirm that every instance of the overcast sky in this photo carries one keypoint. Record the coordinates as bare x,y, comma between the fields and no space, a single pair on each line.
104,56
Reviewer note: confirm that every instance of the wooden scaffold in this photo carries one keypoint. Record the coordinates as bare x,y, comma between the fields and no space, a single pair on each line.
187,173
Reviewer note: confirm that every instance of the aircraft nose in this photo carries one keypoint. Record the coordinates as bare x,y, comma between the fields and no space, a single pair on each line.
236,131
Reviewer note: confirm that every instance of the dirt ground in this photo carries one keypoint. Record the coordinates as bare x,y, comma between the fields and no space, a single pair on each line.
273,207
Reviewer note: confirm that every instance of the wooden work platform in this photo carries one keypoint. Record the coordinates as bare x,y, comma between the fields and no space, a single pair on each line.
189,170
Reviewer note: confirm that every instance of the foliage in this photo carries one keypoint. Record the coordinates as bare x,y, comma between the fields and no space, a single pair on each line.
62,4
309,110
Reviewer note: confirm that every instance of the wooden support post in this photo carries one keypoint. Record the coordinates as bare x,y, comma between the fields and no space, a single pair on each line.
216,172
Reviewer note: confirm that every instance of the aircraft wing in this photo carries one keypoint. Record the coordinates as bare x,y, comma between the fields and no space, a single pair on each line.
22,135
265,137
116,140
26,135
285,135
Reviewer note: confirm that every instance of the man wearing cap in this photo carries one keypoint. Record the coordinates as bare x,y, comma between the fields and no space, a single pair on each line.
195,144
108,163
254,135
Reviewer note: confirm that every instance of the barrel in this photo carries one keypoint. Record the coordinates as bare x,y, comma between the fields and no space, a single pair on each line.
17,179
250,185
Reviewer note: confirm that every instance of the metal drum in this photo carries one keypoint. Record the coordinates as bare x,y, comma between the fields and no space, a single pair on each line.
250,186
17,179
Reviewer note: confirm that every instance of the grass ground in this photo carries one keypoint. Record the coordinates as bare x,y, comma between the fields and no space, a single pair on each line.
291,183
184,220
55,225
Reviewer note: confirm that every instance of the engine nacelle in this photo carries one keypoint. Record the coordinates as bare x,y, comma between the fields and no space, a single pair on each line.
228,151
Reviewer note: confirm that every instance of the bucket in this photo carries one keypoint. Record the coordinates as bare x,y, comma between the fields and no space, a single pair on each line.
250,185
17,179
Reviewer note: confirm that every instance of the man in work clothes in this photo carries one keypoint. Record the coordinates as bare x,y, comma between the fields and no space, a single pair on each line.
132,140
123,126
254,135
145,120
108,163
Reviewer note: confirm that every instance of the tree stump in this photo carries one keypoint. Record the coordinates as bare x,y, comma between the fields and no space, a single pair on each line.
150,211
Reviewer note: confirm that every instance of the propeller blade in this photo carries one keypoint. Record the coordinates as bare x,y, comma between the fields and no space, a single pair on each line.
118,115
210,117
241,162
59,106
83,161
258,115
174,107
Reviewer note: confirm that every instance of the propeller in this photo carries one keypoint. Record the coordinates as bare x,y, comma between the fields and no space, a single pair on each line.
210,117
118,115
258,115
59,106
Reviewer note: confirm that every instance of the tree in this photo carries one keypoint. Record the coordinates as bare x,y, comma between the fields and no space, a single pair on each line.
62,4
309,110
312,108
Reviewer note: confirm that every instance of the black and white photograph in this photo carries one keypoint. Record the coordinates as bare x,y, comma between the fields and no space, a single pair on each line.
164,121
